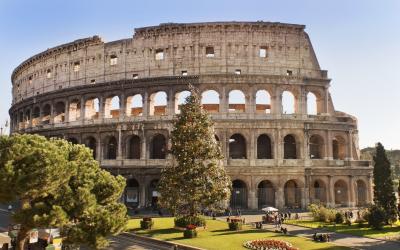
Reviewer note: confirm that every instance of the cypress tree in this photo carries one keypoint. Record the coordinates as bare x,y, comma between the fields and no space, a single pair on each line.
383,184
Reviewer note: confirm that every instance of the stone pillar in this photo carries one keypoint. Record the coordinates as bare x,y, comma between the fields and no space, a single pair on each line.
142,193
370,191
171,100
66,118
122,107
326,101
304,197
250,103
306,146
301,103
223,101
102,105
252,202
83,109
99,149
119,152
276,103
279,198
278,145
331,194
146,104
352,198
52,113
350,145
328,145
252,149
143,148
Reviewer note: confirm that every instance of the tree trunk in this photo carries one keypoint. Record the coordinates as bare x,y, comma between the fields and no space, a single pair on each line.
21,238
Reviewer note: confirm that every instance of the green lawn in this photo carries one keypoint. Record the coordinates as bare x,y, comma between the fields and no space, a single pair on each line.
218,237
386,233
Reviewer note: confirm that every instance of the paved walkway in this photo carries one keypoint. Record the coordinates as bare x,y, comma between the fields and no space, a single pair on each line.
339,239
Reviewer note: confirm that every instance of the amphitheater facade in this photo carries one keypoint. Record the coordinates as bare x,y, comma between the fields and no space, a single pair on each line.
284,143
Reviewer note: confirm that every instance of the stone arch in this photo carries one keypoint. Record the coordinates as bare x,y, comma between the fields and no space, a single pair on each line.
133,148
266,194
112,106
158,103
36,116
46,114
210,101
236,101
111,148
91,143
341,193
319,191
339,148
264,147
239,194
134,105
312,105
158,147
59,112
180,98
290,147
263,102
74,110
237,147
132,192
28,116
316,147
361,193
288,102
292,193
92,108
153,193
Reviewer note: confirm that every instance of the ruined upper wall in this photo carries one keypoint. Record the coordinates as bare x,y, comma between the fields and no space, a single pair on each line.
171,50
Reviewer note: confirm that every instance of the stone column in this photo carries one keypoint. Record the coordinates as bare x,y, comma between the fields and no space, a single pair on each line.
83,110
171,100
252,150
223,101
119,152
279,198
304,197
52,113
276,103
352,198
143,148
252,200
250,103
328,145
146,104
301,107
370,191
99,149
66,118
278,145
350,145
122,107
326,101
331,194
102,105
142,193
306,146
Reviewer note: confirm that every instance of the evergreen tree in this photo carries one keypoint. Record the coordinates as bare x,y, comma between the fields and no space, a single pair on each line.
383,184
59,185
196,179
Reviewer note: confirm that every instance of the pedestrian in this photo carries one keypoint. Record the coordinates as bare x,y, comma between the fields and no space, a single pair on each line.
289,214
9,208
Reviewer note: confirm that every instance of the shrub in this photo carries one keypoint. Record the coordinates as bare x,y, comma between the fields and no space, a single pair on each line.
321,213
360,222
339,218
375,217
235,224
348,222
190,232
146,223
184,221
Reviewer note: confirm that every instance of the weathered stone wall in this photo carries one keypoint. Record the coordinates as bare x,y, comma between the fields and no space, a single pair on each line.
54,97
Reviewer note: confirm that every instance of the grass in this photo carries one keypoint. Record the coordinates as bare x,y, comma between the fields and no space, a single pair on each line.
387,232
218,237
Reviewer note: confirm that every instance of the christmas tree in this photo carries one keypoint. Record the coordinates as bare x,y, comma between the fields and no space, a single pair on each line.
196,179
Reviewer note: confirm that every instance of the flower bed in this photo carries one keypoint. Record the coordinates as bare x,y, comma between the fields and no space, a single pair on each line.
235,224
190,232
266,244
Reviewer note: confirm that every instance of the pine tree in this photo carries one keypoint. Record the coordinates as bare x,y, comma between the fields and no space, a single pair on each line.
60,185
383,184
196,179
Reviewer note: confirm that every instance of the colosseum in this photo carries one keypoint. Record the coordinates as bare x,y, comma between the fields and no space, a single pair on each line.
284,143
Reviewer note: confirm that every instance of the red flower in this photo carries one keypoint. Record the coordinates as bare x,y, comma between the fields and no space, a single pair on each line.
190,227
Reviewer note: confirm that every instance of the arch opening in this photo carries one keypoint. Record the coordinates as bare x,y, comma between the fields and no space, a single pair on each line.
112,107
133,148
319,189
288,103
264,148
92,107
46,114
266,194
74,110
111,148
134,105
36,116
153,194
237,147
132,192
90,142
341,193
263,102
158,147
290,147
312,105
361,193
59,112
292,194
210,101
158,103
339,148
238,195
180,98
237,101
316,147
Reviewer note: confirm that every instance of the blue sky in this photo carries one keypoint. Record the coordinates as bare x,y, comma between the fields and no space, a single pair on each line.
357,41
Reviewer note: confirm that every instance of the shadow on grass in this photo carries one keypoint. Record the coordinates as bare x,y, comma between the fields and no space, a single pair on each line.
248,231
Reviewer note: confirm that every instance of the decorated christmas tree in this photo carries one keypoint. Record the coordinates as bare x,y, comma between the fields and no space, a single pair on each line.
196,178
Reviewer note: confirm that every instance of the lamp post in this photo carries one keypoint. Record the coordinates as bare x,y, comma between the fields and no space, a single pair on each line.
5,128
